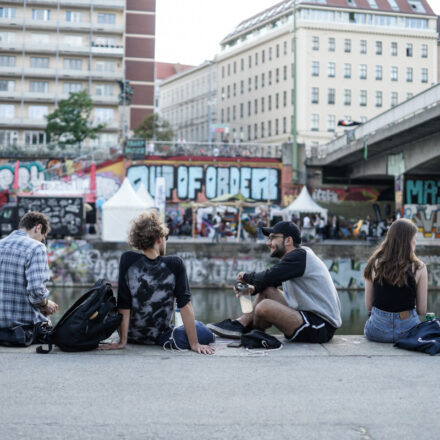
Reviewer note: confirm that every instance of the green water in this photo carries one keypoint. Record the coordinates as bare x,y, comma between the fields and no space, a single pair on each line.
212,305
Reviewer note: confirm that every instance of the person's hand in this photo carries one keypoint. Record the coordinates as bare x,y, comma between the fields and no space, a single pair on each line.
240,278
113,346
49,309
202,349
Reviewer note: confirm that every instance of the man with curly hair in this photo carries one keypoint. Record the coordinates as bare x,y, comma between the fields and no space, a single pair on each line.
24,271
148,283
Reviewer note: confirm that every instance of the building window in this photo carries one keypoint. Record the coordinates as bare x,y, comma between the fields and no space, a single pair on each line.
393,73
241,110
8,138
228,114
378,47
285,73
409,95
263,57
34,138
262,104
44,39
38,111
249,105
277,75
394,49
347,45
269,128
7,111
223,71
409,50
378,71
234,113
234,67
331,123
331,44
71,87
331,96
255,131
424,51
331,70
409,74
39,87
39,62
222,115
228,91
378,99
103,115
363,46
72,64
256,58
8,12
284,124
74,17
7,61
249,84
394,99
424,75
285,47
105,66
363,98
105,90
315,95
277,50
362,71
242,64
41,14
314,122
284,99
276,127
270,53
7,85
347,97
106,18
262,80
255,106
315,68
241,87
229,69
277,100
315,43
248,132
234,89
249,61
347,70
262,129
269,102
256,82
270,77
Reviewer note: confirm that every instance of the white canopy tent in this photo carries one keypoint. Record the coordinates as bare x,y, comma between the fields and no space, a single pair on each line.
145,196
303,204
119,210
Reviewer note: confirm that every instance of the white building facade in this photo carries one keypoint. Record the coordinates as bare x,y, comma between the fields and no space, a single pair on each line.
353,62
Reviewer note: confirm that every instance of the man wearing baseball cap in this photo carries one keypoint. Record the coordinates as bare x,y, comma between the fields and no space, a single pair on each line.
308,307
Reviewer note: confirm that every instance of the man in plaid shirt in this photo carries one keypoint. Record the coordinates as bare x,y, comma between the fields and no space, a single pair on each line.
24,271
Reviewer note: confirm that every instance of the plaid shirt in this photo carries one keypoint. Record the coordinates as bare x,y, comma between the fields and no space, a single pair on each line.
24,271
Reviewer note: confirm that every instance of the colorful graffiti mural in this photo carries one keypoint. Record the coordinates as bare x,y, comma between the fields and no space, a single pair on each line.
427,219
31,174
422,191
259,181
346,194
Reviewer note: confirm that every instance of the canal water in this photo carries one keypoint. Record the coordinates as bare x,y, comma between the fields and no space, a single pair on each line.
212,305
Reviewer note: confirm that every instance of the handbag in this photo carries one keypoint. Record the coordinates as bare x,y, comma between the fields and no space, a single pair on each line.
259,339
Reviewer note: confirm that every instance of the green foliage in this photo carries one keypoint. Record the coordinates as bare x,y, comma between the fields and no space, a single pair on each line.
69,124
154,127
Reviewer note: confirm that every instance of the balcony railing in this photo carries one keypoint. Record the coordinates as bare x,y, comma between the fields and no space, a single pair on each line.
113,4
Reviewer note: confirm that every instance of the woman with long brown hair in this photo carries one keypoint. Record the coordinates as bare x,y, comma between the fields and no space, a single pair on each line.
396,284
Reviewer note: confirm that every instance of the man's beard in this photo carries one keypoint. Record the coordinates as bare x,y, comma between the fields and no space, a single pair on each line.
279,251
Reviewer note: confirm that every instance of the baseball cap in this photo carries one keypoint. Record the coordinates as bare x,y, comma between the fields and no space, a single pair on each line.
288,229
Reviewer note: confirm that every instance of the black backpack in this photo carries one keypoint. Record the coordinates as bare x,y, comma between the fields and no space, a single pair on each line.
91,319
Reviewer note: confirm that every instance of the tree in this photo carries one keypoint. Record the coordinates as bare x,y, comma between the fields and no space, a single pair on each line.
69,124
154,127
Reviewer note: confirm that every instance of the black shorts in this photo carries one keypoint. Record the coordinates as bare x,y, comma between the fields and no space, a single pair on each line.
314,329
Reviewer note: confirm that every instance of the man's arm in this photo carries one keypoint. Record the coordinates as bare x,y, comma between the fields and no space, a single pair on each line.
123,332
188,319
293,265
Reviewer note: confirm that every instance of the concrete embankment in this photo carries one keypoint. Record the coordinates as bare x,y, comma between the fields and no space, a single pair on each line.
347,389
81,262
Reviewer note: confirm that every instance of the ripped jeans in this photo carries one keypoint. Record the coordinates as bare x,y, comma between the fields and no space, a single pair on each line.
387,326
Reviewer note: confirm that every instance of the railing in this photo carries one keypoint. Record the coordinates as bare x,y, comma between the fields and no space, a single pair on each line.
405,110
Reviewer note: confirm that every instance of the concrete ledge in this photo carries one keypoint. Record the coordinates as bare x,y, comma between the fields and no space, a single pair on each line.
340,345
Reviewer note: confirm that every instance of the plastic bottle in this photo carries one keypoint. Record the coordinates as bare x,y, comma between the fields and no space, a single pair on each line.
177,317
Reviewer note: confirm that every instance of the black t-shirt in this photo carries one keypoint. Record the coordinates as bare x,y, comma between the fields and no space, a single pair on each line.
148,288
293,265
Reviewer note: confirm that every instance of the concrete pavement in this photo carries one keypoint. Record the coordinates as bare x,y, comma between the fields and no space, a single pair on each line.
347,389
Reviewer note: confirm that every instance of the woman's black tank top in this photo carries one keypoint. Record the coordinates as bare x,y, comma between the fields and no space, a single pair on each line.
394,299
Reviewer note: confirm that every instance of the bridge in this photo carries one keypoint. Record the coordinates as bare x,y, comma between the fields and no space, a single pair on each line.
407,135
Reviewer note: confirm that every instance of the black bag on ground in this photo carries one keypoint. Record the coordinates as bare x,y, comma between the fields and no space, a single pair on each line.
91,319
424,337
259,339
18,336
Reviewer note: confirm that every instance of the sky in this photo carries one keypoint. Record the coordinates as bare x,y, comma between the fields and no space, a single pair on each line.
189,31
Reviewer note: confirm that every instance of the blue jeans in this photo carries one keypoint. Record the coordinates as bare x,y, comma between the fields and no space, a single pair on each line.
176,337
388,327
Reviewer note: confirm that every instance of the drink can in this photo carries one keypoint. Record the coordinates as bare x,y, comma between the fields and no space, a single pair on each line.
430,316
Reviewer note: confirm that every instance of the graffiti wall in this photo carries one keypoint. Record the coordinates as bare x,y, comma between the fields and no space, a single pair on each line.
422,191
201,181
426,218
347,194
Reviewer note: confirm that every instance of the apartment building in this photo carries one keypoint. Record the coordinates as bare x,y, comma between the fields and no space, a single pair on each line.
355,59
50,48
188,101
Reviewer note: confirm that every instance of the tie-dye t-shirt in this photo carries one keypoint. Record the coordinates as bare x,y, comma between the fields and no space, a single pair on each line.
148,288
